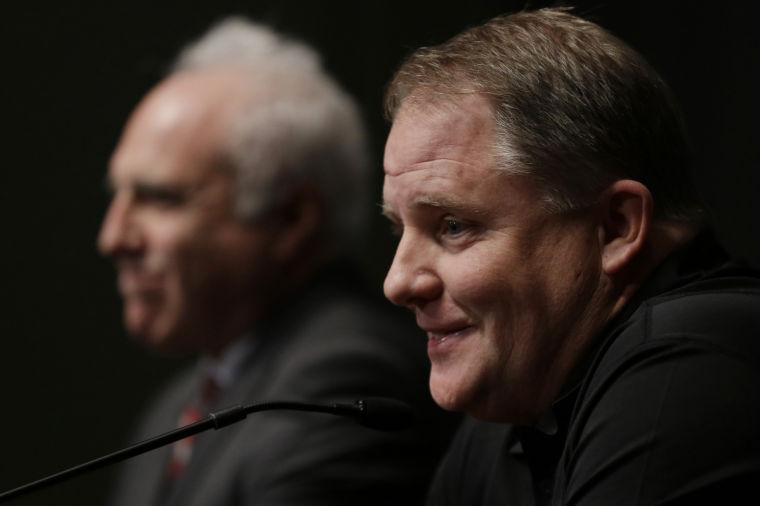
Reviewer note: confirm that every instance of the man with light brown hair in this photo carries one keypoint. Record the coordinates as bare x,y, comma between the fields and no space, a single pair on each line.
554,249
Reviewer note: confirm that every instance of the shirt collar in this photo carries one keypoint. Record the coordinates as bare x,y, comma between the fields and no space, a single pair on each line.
226,368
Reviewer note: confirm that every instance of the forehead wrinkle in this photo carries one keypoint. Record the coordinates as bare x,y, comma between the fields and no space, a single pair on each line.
423,164
436,198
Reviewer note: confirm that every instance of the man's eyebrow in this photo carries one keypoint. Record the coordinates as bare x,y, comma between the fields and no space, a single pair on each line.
448,203
443,202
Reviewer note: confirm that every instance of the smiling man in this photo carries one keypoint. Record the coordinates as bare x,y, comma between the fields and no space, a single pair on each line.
553,248
240,185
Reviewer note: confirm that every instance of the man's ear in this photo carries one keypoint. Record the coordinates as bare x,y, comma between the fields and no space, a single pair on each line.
626,208
299,222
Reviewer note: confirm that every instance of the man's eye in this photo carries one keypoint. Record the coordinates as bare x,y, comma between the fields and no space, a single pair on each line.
452,227
159,196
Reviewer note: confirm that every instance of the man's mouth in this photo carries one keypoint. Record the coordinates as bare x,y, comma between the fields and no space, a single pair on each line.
439,336
134,283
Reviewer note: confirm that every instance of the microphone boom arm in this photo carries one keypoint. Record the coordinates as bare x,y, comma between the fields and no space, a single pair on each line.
397,412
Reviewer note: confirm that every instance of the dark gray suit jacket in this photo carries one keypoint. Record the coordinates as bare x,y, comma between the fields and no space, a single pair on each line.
331,344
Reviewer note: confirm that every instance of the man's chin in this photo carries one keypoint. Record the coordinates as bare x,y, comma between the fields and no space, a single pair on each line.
166,340
446,393
147,330
161,344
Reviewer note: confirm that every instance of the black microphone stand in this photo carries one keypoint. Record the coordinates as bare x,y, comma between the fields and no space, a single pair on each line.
215,420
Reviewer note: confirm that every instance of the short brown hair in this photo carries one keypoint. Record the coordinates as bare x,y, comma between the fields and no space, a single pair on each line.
575,107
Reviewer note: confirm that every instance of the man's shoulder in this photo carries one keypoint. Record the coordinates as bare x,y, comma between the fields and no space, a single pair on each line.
669,407
735,293
719,313
338,321
703,333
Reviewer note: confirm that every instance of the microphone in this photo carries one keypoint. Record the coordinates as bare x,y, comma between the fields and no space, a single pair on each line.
373,412
384,414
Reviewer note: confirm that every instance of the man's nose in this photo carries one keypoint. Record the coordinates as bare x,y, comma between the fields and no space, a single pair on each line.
412,279
118,232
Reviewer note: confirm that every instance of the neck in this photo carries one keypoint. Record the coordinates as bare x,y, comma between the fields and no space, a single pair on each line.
606,303
665,238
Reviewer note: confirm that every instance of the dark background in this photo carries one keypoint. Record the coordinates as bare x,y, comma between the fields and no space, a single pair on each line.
71,381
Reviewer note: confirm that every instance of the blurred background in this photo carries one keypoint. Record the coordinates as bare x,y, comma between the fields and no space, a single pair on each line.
71,381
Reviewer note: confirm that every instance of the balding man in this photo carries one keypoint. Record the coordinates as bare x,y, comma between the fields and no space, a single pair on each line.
240,185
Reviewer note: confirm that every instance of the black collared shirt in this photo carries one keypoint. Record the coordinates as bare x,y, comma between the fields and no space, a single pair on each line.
667,410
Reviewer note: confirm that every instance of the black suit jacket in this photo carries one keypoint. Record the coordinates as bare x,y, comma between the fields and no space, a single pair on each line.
332,344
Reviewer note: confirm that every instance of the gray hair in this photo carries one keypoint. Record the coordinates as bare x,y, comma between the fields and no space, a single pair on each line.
303,129
575,107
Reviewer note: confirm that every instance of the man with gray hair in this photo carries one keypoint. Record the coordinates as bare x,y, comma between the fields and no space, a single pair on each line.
553,248
240,183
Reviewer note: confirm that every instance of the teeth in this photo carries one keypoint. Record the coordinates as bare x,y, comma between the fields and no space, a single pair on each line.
439,338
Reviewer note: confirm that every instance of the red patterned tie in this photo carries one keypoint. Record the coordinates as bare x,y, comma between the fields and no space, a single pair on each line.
182,450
